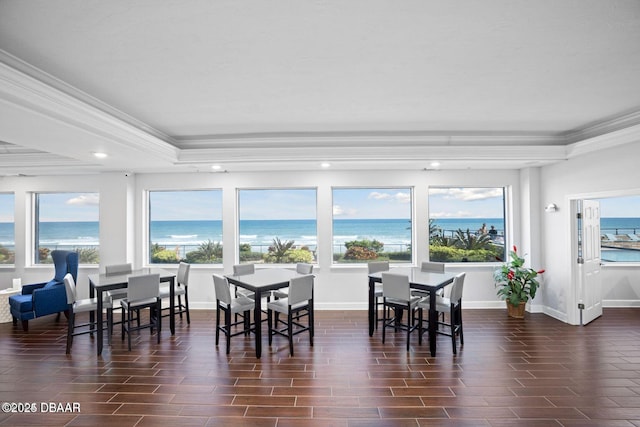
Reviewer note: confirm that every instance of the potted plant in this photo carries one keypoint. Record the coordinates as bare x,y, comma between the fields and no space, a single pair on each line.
516,284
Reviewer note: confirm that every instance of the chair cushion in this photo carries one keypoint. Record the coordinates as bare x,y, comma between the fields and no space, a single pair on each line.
21,303
282,305
165,291
52,283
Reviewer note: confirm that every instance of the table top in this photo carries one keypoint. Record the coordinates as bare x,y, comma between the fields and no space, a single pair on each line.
264,279
418,277
104,280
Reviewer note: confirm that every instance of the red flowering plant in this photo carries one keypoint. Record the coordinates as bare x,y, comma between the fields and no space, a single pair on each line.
515,282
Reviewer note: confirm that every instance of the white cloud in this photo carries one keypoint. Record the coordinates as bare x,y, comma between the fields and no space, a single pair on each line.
337,210
398,197
468,193
459,214
90,199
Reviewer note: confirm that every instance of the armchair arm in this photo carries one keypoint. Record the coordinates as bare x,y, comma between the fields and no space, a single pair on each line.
28,289
50,300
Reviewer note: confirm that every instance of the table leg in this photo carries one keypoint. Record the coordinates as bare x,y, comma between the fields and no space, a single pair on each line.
433,323
372,306
172,306
257,319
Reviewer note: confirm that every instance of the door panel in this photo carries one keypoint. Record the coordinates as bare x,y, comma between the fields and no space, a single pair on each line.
590,291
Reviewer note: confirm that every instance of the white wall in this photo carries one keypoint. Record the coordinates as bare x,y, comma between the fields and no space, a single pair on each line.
122,215
611,172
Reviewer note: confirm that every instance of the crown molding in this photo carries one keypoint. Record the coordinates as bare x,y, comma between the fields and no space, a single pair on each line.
31,89
358,154
365,139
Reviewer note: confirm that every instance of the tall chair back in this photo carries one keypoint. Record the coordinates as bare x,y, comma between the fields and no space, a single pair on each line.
221,285
243,269
183,273
456,288
70,288
436,267
304,268
143,287
117,269
376,266
300,289
396,286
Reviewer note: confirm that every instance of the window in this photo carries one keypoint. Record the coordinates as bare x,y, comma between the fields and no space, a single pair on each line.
466,224
7,229
277,226
371,224
620,229
185,225
67,221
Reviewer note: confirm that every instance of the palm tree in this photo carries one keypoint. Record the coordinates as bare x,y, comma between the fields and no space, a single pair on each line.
279,249
468,240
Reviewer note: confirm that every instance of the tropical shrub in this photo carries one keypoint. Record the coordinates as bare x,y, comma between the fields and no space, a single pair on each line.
165,256
88,255
207,253
6,256
360,253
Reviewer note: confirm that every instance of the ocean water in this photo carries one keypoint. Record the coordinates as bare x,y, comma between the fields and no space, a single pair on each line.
394,232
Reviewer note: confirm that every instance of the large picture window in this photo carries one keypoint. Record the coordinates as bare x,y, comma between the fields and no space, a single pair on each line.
7,229
467,224
620,229
277,226
185,226
68,221
371,224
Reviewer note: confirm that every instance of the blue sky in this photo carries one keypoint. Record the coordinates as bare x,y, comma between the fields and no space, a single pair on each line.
466,202
186,205
620,207
300,204
377,203
277,204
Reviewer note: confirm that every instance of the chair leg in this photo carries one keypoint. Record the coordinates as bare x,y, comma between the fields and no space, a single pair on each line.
311,328
70,326
186,305
159,318
227,328
129,319
180,306
218,324
384,321
269,325
25,325
290,332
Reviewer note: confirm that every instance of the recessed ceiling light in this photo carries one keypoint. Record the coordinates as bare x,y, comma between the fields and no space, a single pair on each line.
325,165
216,167
99,155
435,164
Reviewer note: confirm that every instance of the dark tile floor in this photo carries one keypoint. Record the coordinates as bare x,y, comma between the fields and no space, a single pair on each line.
532,372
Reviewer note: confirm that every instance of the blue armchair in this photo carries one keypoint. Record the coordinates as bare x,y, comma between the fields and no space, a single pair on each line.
41,299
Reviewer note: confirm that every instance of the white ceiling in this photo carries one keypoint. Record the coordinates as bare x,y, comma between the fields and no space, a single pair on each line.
262,85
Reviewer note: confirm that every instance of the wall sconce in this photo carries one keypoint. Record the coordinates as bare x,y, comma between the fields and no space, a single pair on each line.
551,207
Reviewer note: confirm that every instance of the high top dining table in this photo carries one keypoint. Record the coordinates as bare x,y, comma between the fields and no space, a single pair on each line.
261,282
423,280
99,283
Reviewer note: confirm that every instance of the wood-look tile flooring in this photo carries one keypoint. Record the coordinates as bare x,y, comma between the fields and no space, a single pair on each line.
532,372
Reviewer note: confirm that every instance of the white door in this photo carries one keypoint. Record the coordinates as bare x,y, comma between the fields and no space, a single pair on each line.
589,278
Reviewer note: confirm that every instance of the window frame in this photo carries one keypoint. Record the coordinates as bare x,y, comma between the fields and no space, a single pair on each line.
412,220
506,231
249,257
147,229
13,222
35,230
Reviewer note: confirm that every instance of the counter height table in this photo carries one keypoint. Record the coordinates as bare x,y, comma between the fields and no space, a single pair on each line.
423,280
261,282
99,283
